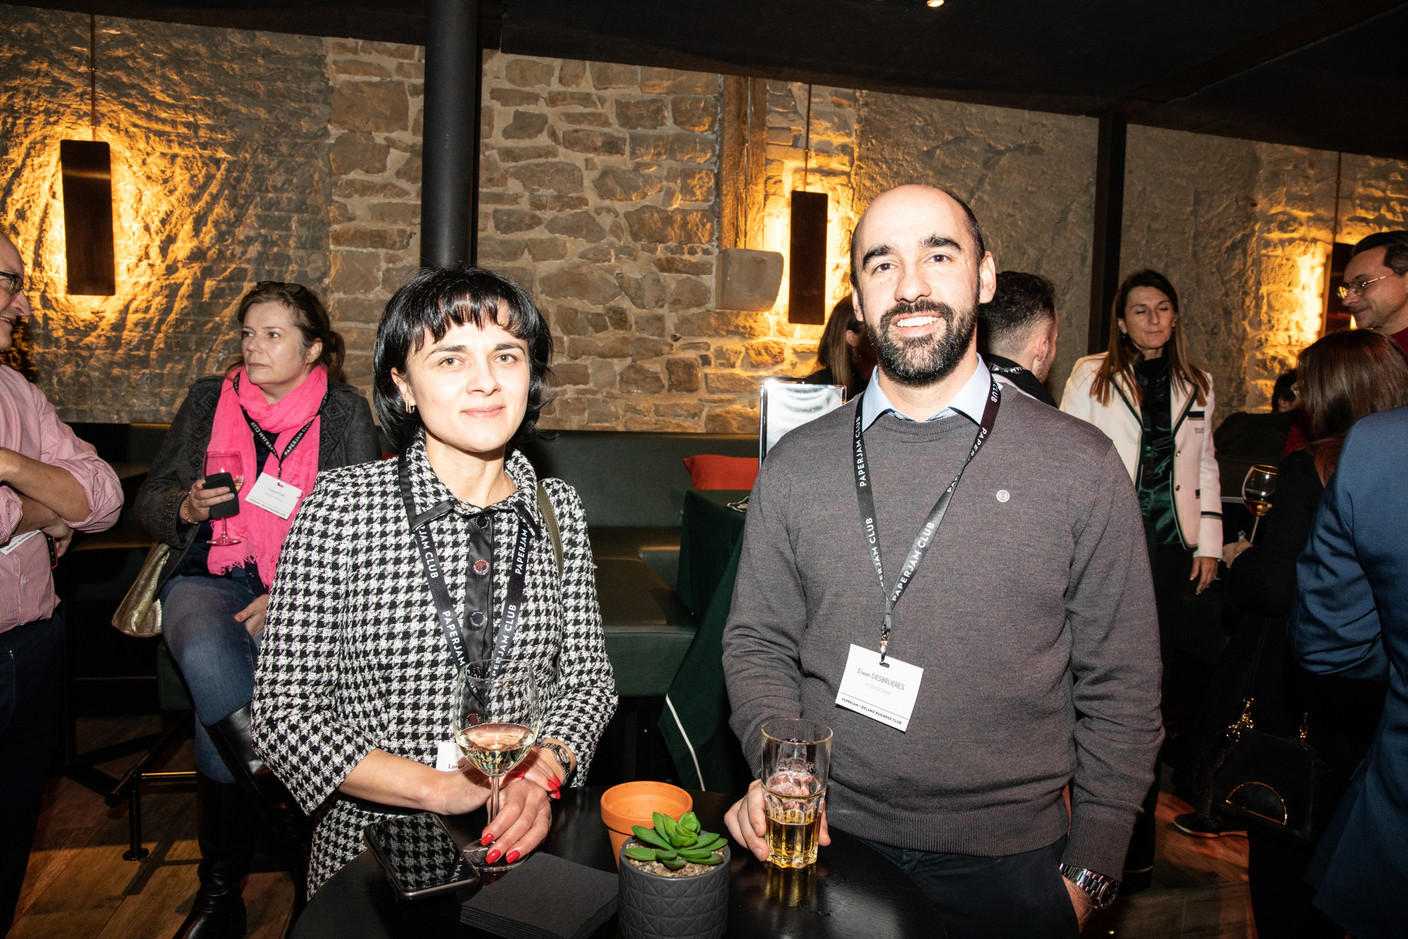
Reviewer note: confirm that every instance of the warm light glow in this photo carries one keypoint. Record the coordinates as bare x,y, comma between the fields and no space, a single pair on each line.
777,232
933,4
1309,313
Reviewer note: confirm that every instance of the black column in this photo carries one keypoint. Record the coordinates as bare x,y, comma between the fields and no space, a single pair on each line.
449,193
1109,222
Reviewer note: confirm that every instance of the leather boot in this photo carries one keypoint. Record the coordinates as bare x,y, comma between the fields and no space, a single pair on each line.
226,837
276,807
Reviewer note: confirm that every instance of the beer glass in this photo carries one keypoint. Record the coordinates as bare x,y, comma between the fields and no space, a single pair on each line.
796,760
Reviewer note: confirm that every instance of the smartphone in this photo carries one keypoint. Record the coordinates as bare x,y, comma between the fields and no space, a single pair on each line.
418,856
227,508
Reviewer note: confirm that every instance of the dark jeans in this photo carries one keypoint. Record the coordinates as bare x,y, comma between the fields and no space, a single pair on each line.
1022,896
30,658
215,653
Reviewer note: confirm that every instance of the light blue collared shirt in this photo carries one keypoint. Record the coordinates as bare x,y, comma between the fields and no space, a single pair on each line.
971,399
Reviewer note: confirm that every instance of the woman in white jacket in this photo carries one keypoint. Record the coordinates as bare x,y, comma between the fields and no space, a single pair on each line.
1157,408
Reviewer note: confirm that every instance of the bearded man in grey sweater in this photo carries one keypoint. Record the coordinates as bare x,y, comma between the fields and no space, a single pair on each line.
1019,617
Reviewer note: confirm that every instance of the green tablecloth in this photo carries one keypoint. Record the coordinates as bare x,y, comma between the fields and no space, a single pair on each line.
694,722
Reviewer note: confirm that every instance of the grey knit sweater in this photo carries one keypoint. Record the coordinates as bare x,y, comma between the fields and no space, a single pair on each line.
1032,617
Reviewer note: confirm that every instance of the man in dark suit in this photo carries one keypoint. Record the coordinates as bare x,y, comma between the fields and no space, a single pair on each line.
1351,619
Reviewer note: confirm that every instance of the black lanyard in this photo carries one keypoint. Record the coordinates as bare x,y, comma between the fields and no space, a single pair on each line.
446,615
866,500
1010,370
270,443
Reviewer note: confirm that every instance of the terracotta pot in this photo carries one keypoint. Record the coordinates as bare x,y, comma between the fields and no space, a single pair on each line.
652,906
633,803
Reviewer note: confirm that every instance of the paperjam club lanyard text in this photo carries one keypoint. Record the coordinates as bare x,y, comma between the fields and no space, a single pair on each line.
865,499
446,614
269,442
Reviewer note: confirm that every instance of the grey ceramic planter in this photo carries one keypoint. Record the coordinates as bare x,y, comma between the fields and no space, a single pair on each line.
650,906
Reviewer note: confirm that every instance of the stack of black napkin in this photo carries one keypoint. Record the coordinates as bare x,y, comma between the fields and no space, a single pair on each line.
545,897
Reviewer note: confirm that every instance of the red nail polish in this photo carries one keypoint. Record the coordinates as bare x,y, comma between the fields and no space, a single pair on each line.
556,794
492,856
512,856
488,839
556,783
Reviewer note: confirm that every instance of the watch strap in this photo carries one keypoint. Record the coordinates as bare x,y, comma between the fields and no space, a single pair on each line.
560,752
1098,887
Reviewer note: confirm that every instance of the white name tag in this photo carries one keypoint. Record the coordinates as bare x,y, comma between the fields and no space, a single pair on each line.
885,693
447,755
274,495
16,541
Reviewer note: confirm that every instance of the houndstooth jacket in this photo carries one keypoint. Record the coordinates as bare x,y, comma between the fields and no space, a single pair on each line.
353,658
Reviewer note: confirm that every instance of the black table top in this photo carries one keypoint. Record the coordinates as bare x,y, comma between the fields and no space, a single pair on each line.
852,891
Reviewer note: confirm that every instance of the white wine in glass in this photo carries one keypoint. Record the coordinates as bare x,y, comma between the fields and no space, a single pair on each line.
497,718
1257,490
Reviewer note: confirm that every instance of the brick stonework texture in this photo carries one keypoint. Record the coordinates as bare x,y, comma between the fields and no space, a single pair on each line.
241,156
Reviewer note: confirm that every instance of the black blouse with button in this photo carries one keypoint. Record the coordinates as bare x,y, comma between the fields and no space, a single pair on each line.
477,626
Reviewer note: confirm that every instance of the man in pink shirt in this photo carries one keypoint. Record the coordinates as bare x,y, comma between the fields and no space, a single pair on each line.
51,484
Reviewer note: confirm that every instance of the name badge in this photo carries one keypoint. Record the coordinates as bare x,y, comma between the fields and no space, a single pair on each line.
16,541
274,495
447,755
885,693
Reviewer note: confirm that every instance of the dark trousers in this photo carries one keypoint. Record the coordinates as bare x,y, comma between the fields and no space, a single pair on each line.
1022,896
1170,565
1280,898
29,696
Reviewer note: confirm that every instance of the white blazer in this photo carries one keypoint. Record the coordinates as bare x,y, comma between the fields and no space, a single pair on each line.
1197,490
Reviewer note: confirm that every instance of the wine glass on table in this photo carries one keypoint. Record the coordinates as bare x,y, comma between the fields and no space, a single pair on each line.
1257,490
497,718
225,461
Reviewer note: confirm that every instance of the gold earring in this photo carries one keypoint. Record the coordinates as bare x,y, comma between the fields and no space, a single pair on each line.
411,408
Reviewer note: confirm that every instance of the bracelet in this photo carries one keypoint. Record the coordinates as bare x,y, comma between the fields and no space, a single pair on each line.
181,510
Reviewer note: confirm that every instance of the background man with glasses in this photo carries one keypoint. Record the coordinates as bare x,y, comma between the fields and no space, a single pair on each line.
51,483
1375,287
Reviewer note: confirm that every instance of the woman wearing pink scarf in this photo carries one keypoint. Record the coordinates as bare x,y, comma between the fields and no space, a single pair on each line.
286,413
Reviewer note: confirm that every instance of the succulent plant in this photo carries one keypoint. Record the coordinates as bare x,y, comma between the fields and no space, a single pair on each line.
675,843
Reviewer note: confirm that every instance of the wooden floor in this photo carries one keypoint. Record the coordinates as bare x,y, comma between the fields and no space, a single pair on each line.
78,884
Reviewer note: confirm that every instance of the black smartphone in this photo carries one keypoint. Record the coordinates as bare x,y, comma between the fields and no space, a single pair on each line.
230,507
418,855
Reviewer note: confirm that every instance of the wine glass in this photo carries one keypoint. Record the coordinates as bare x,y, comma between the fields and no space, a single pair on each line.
225,461
497,717
1257,490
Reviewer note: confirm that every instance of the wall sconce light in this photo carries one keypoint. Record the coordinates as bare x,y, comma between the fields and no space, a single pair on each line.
86,168
806,281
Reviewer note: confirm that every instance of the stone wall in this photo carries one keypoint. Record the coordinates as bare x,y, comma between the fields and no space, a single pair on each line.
599,194
241,156
374,151
1306,200
220,178
1029,178
1190,212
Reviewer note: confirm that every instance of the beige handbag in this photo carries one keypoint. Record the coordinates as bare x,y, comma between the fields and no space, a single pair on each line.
139,614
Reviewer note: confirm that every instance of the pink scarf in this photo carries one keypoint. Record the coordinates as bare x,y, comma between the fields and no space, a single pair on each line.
261,532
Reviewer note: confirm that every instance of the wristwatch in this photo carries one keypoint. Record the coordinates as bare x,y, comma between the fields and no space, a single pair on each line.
563,755
1098,887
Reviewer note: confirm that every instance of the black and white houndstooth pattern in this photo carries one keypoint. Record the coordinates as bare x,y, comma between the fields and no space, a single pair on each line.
353,659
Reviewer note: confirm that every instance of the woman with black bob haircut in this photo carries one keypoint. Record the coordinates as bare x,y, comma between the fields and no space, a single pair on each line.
355,687
431,303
